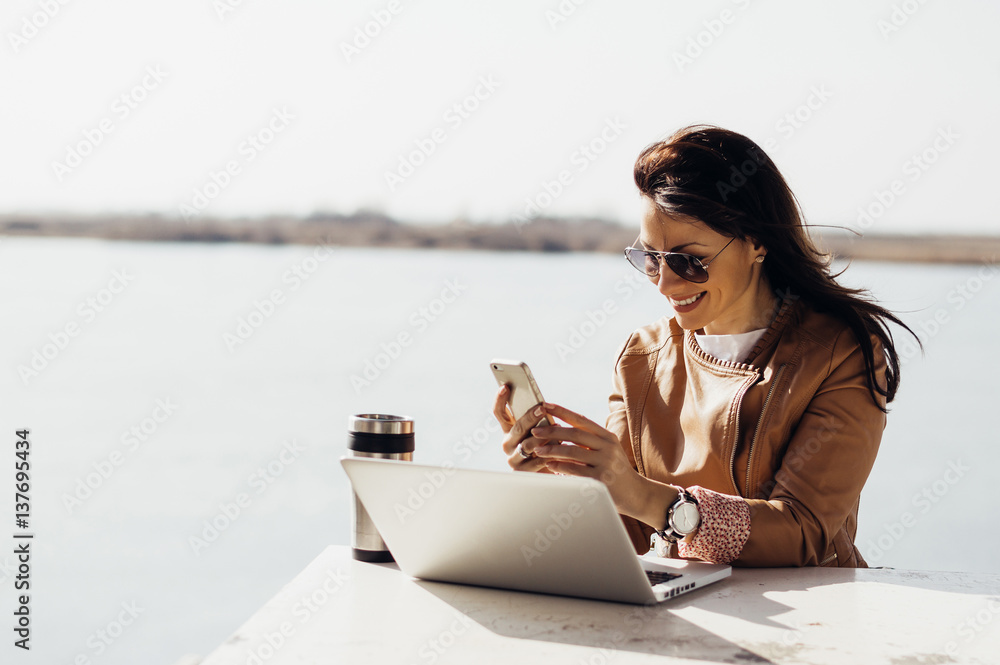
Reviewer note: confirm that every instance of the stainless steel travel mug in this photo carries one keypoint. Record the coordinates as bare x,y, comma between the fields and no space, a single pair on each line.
385,437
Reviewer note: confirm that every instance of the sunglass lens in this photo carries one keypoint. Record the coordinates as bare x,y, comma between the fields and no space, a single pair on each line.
687,267
644,262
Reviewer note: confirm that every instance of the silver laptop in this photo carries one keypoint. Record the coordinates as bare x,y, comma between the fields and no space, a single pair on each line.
524,531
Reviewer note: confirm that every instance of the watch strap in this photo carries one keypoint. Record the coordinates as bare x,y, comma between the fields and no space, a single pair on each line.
662,540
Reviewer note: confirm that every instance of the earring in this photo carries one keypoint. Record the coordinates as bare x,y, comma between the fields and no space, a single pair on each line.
760,259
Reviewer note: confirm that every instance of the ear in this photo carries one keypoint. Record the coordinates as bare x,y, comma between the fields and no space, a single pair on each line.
756,247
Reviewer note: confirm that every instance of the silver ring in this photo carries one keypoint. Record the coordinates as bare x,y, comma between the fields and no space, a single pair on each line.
523,454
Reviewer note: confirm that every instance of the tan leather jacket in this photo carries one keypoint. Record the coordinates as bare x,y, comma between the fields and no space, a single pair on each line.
793,430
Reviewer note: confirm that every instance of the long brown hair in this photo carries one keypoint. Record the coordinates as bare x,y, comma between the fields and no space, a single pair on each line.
725,180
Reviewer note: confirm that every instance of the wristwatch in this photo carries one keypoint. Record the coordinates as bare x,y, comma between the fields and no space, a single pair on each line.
683,519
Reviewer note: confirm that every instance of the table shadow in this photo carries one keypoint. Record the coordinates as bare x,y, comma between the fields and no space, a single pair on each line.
658,629
606,626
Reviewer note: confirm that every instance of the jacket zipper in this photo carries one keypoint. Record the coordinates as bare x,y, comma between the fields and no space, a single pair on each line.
736,440
763,410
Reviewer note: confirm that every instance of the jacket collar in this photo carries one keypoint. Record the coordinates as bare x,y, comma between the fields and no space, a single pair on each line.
785,313
789,306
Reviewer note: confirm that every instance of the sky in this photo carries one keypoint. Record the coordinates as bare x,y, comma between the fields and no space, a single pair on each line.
880,114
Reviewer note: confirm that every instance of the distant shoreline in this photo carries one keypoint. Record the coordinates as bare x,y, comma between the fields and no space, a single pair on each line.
538,235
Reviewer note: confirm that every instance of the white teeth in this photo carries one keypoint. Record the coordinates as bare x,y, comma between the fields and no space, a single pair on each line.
688,301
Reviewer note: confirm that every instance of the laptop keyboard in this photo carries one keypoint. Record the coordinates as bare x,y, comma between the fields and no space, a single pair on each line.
658,577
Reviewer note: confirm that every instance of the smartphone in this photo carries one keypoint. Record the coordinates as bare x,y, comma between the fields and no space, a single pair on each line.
524,393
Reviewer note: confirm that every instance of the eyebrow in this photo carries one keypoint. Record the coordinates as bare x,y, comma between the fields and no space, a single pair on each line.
675,249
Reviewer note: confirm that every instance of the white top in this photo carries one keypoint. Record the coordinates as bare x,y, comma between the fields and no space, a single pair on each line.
733,348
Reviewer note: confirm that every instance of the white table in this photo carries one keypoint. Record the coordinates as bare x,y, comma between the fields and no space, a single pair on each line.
342,611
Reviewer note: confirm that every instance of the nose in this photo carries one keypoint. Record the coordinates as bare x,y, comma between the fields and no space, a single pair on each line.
667,281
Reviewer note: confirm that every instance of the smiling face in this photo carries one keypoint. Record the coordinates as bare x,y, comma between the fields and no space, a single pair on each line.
735,299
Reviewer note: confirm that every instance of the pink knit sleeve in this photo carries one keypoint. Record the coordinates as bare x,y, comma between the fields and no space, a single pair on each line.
724,529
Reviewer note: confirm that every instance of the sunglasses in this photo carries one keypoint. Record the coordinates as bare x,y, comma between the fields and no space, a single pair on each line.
685,266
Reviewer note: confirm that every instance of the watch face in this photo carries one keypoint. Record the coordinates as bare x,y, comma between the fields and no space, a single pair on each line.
686,518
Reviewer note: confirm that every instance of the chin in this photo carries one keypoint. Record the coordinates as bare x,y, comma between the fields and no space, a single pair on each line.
688,322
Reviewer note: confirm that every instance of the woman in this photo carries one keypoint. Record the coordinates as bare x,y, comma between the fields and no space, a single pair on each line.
742,428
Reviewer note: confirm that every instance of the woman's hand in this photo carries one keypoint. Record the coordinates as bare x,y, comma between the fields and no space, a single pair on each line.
596,454
517,438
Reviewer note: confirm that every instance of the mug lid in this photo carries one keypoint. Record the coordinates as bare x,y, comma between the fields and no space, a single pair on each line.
378,423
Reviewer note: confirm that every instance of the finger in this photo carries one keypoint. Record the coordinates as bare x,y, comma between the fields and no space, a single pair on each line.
520,463
528,444
501,411
518,436
521,428
558,453
570,434
571,468
572,417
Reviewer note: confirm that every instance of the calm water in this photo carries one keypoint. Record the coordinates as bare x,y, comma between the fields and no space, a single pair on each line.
170,379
